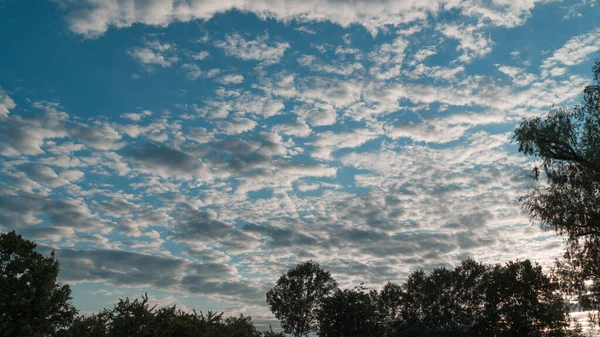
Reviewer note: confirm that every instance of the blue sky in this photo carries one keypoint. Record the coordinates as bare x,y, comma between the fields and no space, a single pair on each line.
196,150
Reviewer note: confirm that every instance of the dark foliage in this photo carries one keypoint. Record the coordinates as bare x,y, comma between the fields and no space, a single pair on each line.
568,143
350,312
32,303
296,298
473,299
138,318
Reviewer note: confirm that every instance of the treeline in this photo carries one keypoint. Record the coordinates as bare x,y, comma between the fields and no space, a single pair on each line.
34,304
473,299
138,318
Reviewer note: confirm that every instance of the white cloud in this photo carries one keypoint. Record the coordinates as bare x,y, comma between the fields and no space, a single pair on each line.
500,13
319,114
388,59
293,129
259,49
327,142
326,92
148,56
476,91
236,125
72,175
424,53
471,42
231,79
154,53
201,55
443,130
136,117
229,101
573,52
26,136
6,104
443,72
306,30
101,136
199,134
93,18
319,66
427,132
519,76
309,171
193,71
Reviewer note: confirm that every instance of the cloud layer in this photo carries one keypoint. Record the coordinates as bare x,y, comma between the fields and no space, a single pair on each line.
374,138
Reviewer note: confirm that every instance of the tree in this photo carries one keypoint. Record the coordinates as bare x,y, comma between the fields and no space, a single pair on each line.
271,333
443,303
568,143
131,318
138,318
350,313
297,297
32,302
520,300
389,304
474,299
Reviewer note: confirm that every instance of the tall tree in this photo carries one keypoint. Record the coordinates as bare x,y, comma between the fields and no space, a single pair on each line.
568,143
389,305
350,313
32,302
473,299
297,297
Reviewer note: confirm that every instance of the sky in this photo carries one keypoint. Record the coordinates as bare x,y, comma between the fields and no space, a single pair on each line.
197,149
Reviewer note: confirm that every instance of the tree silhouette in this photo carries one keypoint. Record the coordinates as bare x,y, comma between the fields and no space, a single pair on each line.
137,318
350,313
568,143
515,299
297,297
473,299
32,302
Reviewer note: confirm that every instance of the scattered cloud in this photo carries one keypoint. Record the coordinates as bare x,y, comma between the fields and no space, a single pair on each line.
6,104
519,76
374,138
575,51
154,53
165,161
94,18
136,117
231,79
259,49
471,42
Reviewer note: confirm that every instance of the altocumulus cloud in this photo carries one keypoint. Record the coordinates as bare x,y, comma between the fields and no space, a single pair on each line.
226,141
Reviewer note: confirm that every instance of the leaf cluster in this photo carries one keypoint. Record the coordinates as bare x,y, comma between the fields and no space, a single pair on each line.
567,141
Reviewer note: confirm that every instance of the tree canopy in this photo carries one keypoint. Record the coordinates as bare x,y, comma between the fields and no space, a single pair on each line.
473,299
567,141
296,298
138,318
350,312
32,302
